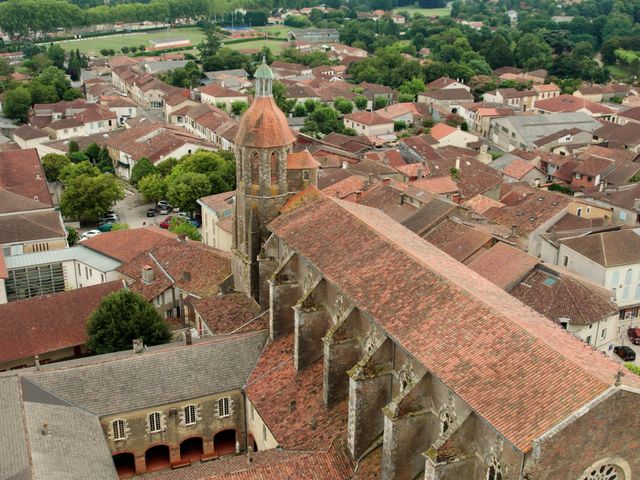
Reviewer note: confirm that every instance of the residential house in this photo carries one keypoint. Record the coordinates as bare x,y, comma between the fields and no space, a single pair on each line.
565,142
123,107
216,209
446,83
521,99
124,245
219,96
515,169
447,135
227,314
28,221
629,116
546,90
175,106
624,202
408,112
448,98
612,260
374,91
370,124
27,136
622,137
49,328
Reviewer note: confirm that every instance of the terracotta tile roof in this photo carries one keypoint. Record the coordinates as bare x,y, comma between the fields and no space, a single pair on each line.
368,118
421,147
473,178
437,185
221,92
609,249
95,114
481,204
29,226
345,188
27,132
301,160
593,166
413,169
398,109
573,222
570,103
3,267
442,130
434,211
264,125
124,245
521,375
226,314
39,325
518,169
69,122
608,153
529,211
226,224
550,87
21,173
193,267
624,197
459,241
503,265
445,233
440,83
220,201
291,402
391,157
449,94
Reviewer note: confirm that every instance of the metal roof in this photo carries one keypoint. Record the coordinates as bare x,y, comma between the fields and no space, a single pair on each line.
79,253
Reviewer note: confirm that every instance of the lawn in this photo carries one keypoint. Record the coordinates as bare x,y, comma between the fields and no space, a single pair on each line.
427,12
275,45
116,42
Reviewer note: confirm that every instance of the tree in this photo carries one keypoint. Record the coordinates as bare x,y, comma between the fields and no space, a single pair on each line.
153,187
17,103
343,105
141,169
125,50
323,120
78,157
412,87
72,236
211,42
238,107
86,197
498,52
532,52
379,102
72,94
185,189
121,318
165,166
73,170
180,226
73,147
361,102
53,165
56,54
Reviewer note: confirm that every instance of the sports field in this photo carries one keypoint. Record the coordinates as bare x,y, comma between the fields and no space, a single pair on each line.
116,42
427,12
274,45
275,30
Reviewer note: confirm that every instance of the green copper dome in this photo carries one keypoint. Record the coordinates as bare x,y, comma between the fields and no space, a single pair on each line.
263,71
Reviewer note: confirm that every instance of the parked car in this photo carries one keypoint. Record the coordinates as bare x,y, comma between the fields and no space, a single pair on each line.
163,210
152,212
166,222
196,223
162,203
89,234
634,335
105,227
110,218
183,215
625,353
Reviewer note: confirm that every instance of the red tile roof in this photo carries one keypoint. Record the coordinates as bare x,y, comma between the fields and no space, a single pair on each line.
438,185
481,204
368,118
570,103
503,265
291,402
301,160
21,173
518,168
520,374
230,313
264,125
123,245
39,325
442,130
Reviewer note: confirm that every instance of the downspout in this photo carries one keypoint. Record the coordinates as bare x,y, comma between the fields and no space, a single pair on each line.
244,409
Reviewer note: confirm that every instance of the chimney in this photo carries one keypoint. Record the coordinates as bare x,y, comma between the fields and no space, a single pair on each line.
636,204
137,345
513,230
419,173
250,454
187,337
45,429
37,361
147,274
345,165
601,186
457,163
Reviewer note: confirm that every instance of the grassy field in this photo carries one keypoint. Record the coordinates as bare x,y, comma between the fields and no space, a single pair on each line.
116,42
427,12
275,46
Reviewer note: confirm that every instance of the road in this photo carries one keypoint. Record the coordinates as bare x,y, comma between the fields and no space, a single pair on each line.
133,209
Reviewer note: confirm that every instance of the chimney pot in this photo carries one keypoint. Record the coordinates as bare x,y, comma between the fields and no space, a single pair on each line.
345,165
137,345
250,454
237,446
457,163
37,361
188,340
147,274
45,428
513,230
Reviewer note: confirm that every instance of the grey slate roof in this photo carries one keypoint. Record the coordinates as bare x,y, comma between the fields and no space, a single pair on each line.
535,127
122,382
74,447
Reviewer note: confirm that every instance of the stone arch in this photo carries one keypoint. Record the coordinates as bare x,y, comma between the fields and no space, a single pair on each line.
125,463
495,470
607,469
157,458
224,442
191,449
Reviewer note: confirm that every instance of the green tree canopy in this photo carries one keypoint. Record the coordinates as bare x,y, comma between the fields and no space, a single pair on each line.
153,187
185,189
180,226
17,103
141,169
121,318
53,165
86,197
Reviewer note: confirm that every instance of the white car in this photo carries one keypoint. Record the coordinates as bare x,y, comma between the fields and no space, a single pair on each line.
89,234
184,215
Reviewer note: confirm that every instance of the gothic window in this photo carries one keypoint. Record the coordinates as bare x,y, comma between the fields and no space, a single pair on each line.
446,422
255,169
604,472
494,469
274,168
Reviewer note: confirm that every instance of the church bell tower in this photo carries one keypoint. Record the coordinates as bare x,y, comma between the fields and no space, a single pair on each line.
263,141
